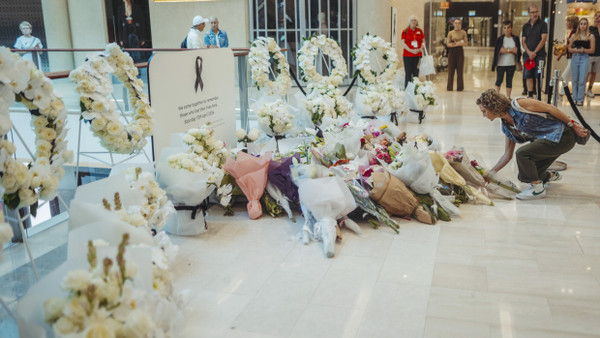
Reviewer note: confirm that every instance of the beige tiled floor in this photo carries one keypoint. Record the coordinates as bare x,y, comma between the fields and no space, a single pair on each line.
517,269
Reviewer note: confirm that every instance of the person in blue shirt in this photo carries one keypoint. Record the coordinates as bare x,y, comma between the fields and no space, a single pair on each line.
215,36
550,132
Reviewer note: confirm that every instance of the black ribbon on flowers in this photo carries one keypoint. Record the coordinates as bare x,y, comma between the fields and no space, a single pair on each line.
371,117
199,82
421,114
194,208
394,118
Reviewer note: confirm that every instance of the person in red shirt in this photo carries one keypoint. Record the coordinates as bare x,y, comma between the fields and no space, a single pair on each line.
412,42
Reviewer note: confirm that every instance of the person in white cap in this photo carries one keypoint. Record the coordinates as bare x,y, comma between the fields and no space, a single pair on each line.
195,38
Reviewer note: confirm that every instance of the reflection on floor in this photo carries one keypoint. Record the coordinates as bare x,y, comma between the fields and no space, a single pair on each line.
517,269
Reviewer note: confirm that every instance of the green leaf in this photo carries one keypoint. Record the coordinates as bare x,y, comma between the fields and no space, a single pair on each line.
82,106
12,200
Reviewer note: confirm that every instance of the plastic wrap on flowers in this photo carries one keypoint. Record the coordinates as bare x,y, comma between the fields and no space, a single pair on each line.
459,160
250,174
378,100
188,190
414,168
397,199
115,198
327,199
36,306
274,116
279,175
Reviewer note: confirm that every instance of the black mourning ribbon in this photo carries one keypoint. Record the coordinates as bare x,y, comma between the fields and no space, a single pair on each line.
194,208
199,82
394,118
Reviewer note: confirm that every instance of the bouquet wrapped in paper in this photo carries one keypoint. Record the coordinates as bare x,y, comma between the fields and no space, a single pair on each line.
397,199
274,116
131,196
188,180
280,185
250,174
413,167
324,198
420,95
449,175
496,185
459,160
363,201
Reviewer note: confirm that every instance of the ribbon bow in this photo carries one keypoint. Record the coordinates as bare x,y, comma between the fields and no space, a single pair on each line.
199,82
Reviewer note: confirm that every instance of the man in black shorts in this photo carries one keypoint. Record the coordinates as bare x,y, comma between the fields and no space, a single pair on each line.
535,34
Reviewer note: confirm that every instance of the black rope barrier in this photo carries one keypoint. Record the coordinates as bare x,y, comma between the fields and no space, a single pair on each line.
297,82
350,86
579,116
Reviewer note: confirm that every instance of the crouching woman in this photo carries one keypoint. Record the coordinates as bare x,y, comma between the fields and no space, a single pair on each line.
549,131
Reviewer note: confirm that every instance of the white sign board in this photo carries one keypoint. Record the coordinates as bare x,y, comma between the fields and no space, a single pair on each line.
190,88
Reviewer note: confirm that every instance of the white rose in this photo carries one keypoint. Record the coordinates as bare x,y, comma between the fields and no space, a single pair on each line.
240,133
113,128
253,134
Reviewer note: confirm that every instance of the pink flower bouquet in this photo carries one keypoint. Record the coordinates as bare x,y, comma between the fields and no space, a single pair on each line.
250,174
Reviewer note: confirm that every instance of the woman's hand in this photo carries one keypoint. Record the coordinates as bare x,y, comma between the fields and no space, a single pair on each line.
579,130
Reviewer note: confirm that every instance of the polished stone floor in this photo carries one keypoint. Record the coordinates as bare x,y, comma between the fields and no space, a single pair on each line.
516,269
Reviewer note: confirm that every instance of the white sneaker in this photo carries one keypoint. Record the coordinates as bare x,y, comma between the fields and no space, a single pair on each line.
590,94
533,192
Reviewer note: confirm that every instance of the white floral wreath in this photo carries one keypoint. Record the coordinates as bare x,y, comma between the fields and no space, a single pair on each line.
362,59
306,58
261,51
95,88
21,81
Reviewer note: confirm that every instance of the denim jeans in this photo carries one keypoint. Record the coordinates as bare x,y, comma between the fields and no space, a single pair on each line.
579,68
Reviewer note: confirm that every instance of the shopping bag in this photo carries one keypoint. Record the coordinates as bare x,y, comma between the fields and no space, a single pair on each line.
427,67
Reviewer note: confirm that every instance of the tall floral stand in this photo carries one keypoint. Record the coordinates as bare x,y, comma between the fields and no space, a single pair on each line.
21,219
93,154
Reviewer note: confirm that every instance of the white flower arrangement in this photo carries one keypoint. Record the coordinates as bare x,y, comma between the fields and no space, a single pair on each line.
424,94
21,81
103,301
156,207
274,118
205,155
362,59
261,51
306,58
327,103
95,88
152,211
203,143
381,98
195,163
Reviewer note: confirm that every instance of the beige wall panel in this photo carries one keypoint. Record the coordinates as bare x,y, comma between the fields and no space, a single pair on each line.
88,26
58,33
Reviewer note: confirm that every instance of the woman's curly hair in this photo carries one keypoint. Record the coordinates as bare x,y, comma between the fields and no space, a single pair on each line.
496,103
